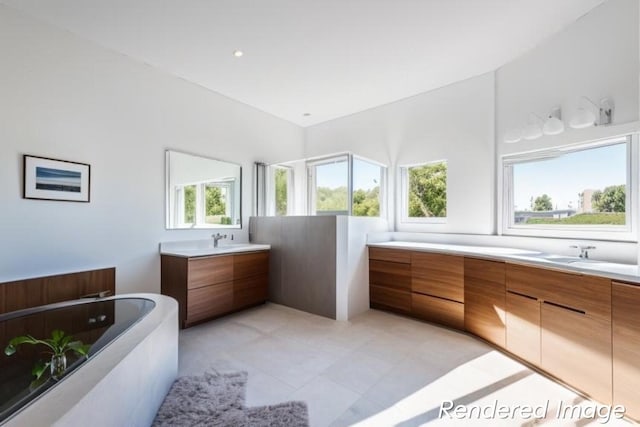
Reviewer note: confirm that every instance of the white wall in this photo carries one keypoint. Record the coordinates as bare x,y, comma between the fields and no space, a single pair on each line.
66,98
595,57
455,123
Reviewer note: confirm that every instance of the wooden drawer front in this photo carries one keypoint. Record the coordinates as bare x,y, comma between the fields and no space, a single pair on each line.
392,255
210,270
209,301
438,275
485,301
487,271
389,298
577,349
251,264
626,347
523,327
390,274
250,291
438,310
581,292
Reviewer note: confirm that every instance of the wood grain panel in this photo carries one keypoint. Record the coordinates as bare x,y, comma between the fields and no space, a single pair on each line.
173,282
251,264
209,301
576,348
28,293
390,299
438,275
209,270
391,255
586,293
438,310
523,327
626,347
250,291
485,300
390,274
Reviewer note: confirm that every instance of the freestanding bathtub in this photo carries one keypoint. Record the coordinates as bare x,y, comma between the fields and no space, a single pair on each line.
132,362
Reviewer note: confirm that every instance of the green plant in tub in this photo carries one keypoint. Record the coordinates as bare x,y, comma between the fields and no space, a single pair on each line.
58,346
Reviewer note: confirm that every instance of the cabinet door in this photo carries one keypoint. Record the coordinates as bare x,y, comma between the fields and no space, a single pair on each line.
438,275
209,270
251,264
523,326
438,310
576,348
626,347
390,274
209,301
250,291
485,299
387,298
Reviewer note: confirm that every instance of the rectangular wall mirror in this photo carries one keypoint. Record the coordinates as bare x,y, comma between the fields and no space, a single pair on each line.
202,192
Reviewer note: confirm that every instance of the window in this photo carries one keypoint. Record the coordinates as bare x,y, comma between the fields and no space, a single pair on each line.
346,185
424,192
282,190
575,190
204,204
366,194
328,184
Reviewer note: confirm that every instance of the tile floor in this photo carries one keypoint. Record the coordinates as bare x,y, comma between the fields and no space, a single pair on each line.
378,369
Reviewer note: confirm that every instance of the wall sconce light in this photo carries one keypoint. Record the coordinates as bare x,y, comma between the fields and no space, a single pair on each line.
590,114
533,129
512,136
536,127
554,124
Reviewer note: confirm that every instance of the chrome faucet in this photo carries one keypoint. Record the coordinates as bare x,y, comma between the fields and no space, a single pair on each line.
584,250
217,237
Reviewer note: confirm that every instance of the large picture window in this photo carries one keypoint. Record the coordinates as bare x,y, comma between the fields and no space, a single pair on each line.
424,192
583,189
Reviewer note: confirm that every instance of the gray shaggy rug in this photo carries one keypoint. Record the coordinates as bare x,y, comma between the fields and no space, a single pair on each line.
215,399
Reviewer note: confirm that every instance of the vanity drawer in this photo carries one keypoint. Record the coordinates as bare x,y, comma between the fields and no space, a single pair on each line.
251,264
391,255
390,299
390,274
438,310
250,291
209,270
209,301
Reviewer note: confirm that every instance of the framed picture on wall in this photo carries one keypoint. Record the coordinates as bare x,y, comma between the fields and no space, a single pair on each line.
51,179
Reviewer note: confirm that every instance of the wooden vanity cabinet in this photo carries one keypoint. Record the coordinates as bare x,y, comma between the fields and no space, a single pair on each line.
390,279
211,286
485,299
569,315
437,288
626,347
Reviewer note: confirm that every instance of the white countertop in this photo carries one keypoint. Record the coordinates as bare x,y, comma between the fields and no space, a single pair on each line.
624,272
201,248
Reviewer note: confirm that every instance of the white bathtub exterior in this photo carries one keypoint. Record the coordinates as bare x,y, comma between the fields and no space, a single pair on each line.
123,385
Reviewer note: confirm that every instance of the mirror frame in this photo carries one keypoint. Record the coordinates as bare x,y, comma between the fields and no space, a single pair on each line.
167,189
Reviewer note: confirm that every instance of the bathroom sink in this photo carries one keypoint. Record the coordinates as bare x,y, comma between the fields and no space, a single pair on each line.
566,259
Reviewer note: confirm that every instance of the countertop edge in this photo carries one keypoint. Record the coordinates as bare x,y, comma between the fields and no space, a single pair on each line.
567,268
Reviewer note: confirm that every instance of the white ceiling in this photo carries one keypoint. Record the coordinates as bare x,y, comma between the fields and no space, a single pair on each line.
329,58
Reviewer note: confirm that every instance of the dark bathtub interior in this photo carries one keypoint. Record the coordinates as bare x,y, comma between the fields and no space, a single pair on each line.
96,323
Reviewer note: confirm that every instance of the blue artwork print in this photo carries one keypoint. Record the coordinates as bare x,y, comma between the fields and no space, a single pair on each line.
57,180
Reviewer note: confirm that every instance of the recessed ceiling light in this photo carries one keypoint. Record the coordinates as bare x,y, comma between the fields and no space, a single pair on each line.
238,53
306,114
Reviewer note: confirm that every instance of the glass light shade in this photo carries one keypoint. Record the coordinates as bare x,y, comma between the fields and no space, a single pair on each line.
553,126
583,118
512,136
532,131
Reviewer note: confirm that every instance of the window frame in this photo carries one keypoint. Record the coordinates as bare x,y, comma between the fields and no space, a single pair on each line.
404,195
627,233
201,203
272,210
311,164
